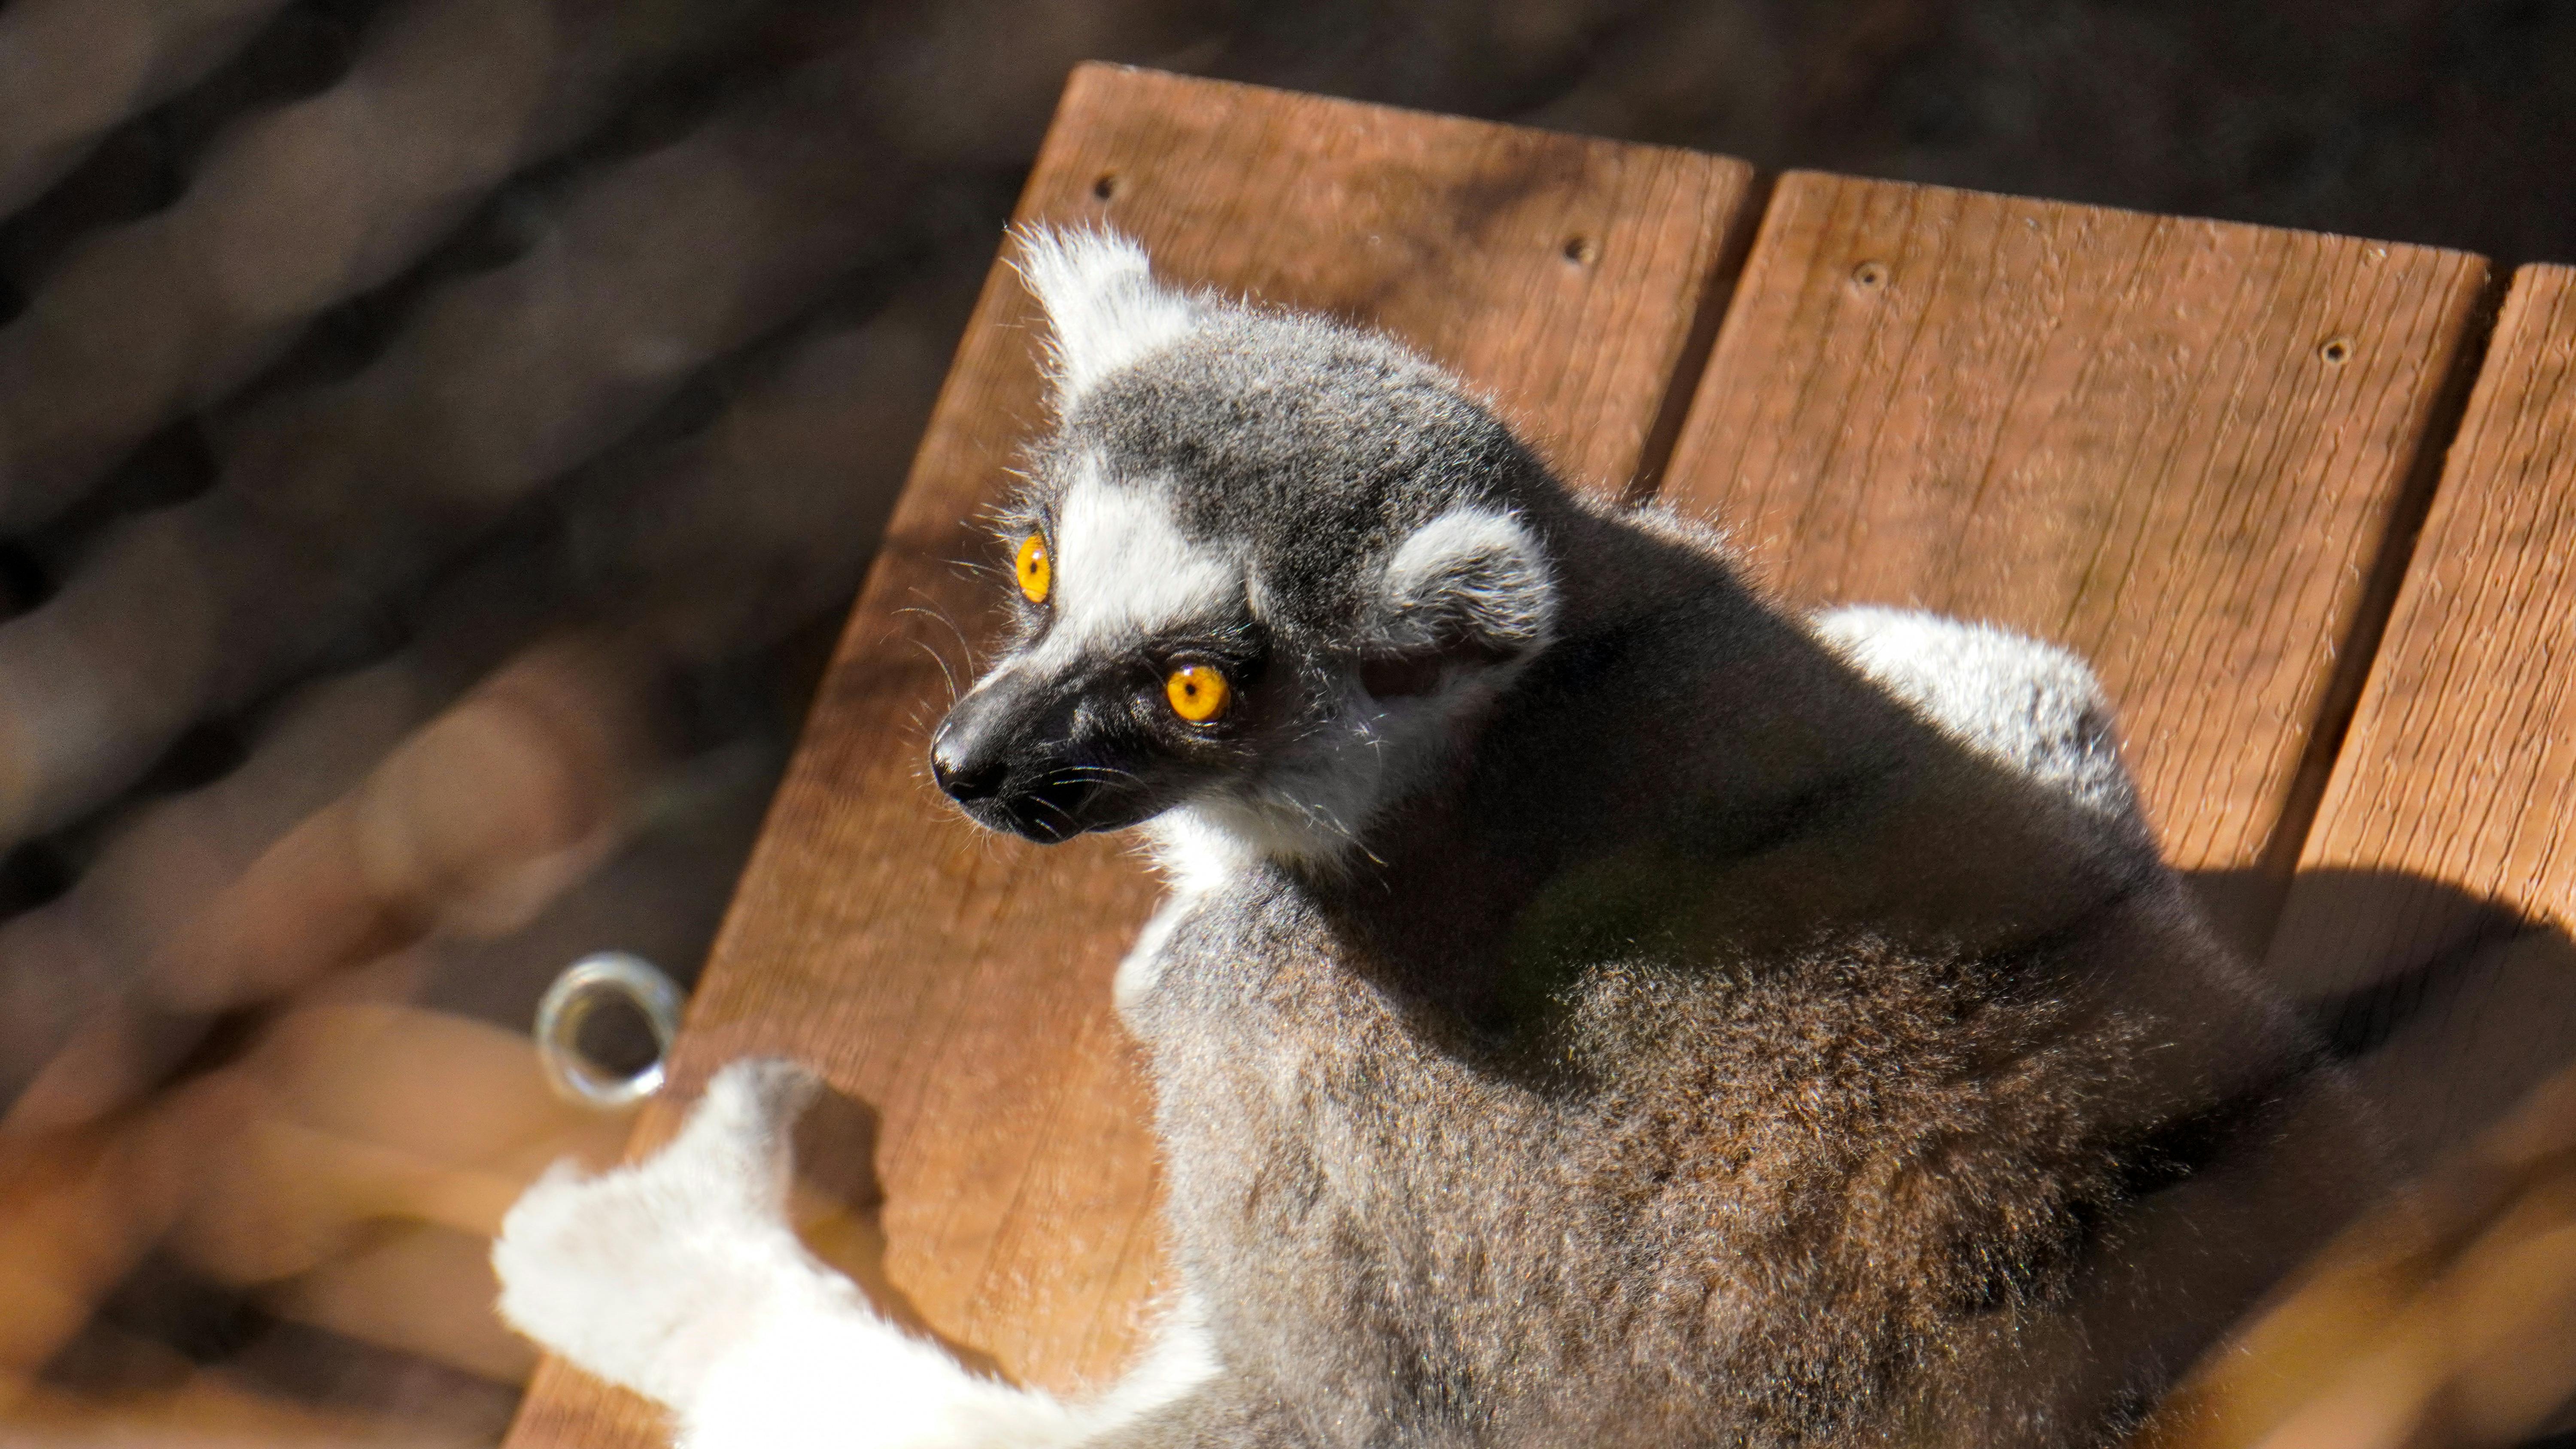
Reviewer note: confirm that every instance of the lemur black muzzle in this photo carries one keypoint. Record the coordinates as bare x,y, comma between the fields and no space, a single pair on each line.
1015,755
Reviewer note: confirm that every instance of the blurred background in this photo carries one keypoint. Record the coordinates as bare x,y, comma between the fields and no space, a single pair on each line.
439,438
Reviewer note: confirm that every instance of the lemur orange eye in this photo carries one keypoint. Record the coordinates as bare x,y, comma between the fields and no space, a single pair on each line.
1197,692
1036,570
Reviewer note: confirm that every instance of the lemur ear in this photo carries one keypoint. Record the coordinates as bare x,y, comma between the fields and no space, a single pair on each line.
1102,303
1469,586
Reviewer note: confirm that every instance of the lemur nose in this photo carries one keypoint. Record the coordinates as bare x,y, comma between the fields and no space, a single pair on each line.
963,777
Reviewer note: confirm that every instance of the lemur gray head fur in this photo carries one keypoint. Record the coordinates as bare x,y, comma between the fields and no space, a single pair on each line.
1269,569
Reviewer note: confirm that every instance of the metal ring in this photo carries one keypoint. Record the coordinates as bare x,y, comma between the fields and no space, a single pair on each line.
582,989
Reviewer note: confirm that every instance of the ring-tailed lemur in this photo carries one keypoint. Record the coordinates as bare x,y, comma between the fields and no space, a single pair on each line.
1592,1006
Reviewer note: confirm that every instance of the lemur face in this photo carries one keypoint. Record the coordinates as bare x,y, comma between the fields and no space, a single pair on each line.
1267,570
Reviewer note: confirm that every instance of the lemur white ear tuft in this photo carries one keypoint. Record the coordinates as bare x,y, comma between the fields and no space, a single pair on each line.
1473,581
1102,302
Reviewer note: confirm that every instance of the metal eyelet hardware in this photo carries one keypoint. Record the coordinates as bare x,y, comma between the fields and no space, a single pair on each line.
584,987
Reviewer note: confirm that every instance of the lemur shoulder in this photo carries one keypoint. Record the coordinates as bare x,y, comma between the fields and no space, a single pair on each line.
1593,1006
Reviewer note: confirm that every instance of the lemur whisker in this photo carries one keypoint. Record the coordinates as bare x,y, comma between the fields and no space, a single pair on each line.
1104,773
932,609
1315,814
1059,812
944,672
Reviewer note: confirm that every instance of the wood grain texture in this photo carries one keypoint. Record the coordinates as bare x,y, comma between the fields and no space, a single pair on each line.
958,984
2446,841
2175,445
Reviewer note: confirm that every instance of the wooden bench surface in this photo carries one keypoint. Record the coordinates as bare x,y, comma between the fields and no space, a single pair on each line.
2197,451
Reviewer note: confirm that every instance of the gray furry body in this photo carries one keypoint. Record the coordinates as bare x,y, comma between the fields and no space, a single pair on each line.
1792,1075
1594,1006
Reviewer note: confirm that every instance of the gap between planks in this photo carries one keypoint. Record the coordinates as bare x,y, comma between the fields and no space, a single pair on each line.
2359,653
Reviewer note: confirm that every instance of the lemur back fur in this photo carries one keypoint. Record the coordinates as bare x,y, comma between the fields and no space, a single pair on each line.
1594,1006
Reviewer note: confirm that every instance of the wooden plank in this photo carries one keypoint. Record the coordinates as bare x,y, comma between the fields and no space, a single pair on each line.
2444,853
959,983
2176,445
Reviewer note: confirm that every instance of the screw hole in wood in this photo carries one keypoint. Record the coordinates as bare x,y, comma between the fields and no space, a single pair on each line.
1106,187
1870,276
1580,251
2336,351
